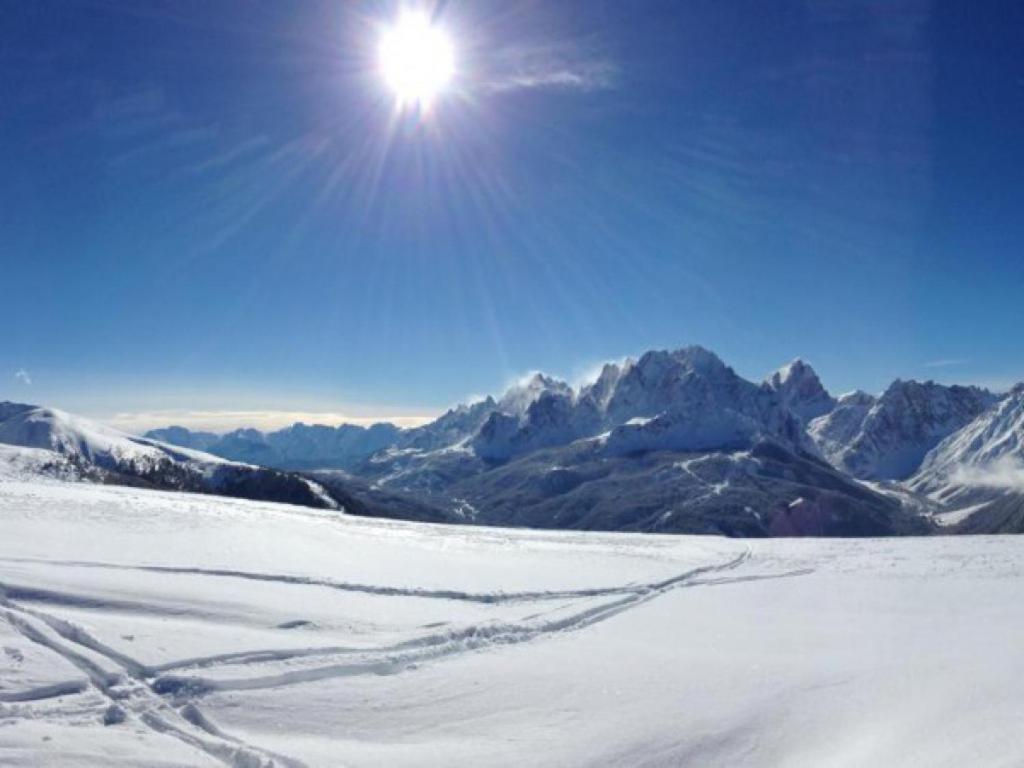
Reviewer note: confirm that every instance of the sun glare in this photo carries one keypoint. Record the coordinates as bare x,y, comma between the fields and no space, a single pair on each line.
417,60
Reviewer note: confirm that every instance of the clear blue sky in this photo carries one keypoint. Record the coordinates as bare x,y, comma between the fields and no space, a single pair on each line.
213,206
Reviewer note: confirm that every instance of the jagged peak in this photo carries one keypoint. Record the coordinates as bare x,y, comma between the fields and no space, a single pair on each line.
698,357
520,395
904,387
855,397
797,368
693,358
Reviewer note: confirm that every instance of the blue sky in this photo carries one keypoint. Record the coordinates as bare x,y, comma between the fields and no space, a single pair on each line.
215,209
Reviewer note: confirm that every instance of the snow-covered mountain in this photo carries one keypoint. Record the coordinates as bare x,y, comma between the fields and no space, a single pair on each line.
674,441
620,452
801,390
977,473
887,438
838,428
50,442
682,400
689,400
453,426
299,446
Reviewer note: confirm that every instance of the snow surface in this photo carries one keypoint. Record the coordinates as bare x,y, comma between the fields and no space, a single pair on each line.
212,631
37,464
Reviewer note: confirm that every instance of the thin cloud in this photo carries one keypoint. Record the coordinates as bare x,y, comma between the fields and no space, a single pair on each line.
22,375
945,362
553,67
219,161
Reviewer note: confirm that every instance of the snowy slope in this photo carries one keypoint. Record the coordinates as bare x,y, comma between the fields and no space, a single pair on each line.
148,628
38,464
834,431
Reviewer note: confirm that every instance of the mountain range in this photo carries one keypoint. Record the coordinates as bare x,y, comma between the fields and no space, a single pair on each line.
43,442
673,441
676,441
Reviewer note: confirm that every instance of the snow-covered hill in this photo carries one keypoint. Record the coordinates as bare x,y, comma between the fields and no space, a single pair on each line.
144,628
90,442
50,442
40,465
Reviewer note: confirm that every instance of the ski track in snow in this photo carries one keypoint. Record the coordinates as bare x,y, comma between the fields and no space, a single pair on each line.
487,598
166,703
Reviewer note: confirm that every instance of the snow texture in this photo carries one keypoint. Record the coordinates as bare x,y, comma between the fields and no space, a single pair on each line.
152,628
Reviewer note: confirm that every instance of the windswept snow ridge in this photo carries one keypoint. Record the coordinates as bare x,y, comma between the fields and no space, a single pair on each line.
44,442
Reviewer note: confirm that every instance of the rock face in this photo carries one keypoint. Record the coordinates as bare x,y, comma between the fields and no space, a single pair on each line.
887,438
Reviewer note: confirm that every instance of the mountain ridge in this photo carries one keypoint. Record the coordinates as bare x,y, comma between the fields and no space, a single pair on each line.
625,447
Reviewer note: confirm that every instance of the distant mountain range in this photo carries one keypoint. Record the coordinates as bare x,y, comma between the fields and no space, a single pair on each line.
674,441
37,441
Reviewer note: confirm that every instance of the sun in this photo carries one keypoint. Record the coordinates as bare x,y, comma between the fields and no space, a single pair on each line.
416,59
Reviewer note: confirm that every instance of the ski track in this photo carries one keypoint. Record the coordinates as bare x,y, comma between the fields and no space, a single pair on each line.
165,703
487,598
127,692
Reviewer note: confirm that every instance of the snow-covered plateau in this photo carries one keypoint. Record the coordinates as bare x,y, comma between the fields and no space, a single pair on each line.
152,628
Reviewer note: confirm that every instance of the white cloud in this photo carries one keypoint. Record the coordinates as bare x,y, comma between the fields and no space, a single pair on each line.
22,375
945,362
592,78
556,66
